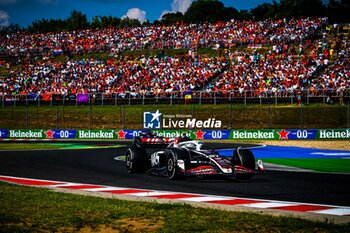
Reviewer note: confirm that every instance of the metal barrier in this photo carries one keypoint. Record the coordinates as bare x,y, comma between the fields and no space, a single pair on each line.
236,110
333,96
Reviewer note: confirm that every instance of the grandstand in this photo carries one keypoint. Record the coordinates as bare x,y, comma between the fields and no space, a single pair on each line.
280,58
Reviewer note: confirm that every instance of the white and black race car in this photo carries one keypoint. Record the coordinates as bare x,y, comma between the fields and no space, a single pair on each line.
182,157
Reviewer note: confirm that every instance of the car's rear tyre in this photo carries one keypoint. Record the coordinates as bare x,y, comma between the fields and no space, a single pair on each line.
136,160
138,142
244,158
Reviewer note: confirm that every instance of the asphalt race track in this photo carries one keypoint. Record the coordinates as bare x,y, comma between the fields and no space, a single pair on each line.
98,166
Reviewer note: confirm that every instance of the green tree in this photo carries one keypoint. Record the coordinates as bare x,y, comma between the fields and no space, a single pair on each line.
301,8
146,23
264,11
208,11
109,21
77,21
95,22
245,14
338,11
171,18
230,13
128,22
157,22
12,28
45,25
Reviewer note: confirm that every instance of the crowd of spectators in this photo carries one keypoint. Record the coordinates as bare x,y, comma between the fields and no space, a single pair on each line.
228,34
286,69
245,74
145,76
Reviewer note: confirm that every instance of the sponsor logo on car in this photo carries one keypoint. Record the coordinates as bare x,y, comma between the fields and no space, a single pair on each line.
202,170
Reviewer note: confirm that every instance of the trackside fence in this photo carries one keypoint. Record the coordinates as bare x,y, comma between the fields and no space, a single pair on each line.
232,115
245,97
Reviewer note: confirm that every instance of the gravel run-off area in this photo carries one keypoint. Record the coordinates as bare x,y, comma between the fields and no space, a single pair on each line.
331,144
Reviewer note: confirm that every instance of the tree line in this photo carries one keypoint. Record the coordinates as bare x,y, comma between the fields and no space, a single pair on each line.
200,11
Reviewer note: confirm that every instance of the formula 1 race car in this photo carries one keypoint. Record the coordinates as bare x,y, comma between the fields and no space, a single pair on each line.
182,157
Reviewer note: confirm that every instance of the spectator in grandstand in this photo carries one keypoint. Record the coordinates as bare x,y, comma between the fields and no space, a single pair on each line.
151,75
280,72
225,34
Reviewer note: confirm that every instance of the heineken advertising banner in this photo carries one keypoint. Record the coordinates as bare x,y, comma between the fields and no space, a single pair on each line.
107,134
333,134
274,134
68,134
264,134
211,134
170,133
96,134
254,134
23,133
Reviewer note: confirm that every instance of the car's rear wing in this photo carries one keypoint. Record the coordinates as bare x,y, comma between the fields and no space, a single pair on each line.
152,142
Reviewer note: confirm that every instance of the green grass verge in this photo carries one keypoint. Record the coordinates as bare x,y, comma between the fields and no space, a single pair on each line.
53,146
321,165
234,116
29,209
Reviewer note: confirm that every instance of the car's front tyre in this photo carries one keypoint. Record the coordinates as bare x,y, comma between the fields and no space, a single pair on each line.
171,167
246,159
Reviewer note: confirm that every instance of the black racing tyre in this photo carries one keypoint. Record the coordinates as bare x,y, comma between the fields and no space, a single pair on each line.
170,164
138,142
245,158
136,160
172,170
